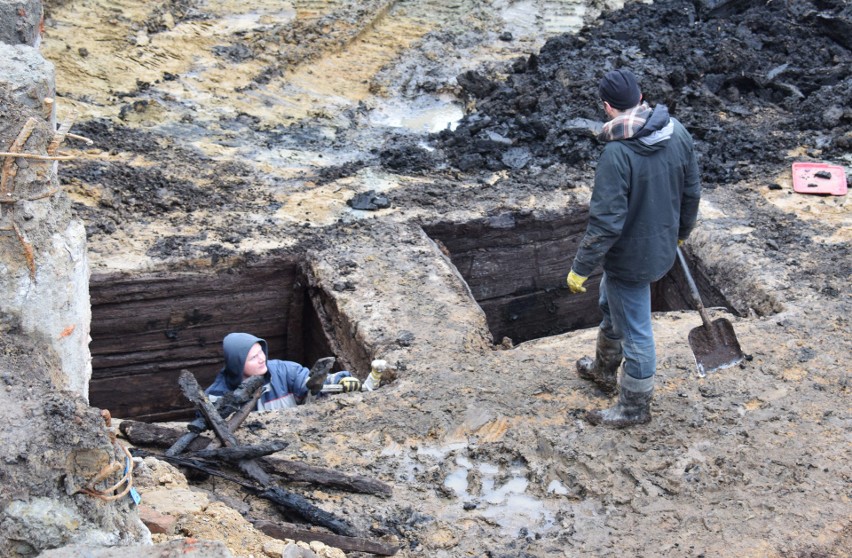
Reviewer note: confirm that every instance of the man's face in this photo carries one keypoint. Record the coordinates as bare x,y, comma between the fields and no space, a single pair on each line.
255,362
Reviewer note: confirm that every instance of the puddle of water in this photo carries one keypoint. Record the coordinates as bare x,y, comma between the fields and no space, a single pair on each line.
504,502
457,482
424,114
556,487
524,18
500,496
521,15
235,23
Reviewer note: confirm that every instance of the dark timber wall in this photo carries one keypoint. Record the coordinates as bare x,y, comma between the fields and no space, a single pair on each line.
147,328
516,267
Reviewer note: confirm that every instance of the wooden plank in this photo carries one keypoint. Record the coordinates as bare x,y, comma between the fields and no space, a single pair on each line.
147,327
141,394
502,262
288,531
542,313
512,231
144,434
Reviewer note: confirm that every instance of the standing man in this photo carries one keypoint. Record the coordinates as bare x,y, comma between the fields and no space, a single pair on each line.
644,204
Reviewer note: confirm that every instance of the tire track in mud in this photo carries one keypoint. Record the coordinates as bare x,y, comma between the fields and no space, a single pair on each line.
304,54
344,76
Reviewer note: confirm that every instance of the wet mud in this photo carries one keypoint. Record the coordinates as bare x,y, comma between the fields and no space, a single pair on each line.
285,119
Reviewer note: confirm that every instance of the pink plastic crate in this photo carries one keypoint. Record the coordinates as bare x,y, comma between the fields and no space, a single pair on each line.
819,178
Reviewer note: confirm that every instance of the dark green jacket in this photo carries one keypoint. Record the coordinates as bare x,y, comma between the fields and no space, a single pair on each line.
645,199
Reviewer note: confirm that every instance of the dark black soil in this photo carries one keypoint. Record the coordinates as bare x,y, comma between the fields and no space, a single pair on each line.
751,80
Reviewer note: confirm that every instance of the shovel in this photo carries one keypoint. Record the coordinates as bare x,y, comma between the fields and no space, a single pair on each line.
714,344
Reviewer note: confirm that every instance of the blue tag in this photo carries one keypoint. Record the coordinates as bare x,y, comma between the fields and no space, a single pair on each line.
134,495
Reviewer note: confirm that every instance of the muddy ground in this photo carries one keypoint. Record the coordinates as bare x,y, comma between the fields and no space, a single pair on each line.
222,130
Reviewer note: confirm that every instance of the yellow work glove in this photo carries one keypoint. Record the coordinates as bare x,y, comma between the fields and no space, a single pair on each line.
350,383
679,242
374,380
575,282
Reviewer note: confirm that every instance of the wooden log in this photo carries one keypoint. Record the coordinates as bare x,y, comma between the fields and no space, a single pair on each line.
196,464
249,390
236,454
151,434
145,434
288,531
240,416
295,471
233,401
287,501
299,506
196,395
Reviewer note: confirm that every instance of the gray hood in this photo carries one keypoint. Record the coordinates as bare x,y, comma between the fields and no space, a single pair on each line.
237,347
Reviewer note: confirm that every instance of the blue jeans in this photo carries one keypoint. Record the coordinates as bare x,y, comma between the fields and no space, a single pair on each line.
626,308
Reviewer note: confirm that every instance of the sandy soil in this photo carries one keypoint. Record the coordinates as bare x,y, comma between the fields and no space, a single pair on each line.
221,129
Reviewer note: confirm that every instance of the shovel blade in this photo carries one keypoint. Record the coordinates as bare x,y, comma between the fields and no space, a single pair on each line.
715,348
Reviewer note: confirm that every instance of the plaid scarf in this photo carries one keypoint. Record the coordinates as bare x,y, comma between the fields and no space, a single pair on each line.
624,126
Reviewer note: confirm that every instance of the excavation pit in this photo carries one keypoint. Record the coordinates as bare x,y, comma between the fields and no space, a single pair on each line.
515,266
146,328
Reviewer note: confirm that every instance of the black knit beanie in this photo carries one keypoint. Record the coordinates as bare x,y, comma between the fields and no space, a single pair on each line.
620,89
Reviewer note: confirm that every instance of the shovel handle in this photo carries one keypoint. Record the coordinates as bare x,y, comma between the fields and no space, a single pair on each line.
696,297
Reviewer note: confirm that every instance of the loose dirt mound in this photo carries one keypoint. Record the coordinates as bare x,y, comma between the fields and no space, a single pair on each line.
757,84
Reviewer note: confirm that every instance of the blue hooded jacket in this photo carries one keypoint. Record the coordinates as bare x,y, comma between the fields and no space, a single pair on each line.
287,379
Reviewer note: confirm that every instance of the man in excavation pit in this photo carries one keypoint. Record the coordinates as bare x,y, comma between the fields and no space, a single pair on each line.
644,205
247,355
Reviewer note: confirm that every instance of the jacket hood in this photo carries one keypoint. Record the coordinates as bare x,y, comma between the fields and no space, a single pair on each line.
656,132
237,347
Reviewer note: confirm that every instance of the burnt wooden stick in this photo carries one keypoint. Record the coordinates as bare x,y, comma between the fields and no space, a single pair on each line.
193,464
197,397
298,505
226,405
192,391
240,416
301,472
234,401
182,443
152,434
284,531
286,501
239,453
146,434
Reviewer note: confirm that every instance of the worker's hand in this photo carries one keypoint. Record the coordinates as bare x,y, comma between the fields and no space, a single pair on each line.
350,383
575,282
680,242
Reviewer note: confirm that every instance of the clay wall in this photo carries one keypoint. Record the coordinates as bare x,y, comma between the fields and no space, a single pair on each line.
44,271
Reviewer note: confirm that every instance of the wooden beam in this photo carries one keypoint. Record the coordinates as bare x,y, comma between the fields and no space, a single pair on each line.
145,434
288,531
236,454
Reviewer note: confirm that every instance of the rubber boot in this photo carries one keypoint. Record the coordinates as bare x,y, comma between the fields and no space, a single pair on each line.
633,406
603,370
